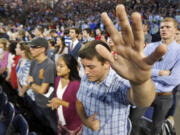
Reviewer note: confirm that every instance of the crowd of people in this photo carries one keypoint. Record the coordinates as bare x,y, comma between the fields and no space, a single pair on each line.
78,71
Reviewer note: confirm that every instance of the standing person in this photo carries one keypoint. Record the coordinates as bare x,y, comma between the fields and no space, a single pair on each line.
104,95
66,86
51,49
75,45
165,75
147,36
175,90
178,36
3,57
16,58
61,48
87,35
23,66
98,34
41,81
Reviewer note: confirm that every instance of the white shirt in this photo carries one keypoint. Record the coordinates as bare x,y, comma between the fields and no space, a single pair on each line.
60,93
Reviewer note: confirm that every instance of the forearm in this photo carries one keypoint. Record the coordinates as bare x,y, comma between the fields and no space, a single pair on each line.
81,112
155,72
142,95
37,88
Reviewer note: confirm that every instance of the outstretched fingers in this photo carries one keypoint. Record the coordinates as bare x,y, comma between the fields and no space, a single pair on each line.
111,29
137,31
105,53
156,55
126,30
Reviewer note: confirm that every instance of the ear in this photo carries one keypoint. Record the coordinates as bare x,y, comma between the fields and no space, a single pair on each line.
44,49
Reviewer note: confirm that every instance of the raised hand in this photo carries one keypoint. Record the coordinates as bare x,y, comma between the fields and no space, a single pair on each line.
130,61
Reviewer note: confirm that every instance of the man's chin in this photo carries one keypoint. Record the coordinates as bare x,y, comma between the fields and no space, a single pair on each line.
91,79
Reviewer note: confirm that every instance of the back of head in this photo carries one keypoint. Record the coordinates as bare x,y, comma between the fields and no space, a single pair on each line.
88,50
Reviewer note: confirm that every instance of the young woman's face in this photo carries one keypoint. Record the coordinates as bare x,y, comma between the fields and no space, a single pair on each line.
62,68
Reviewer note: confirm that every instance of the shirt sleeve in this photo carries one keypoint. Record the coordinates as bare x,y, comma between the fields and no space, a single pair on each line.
155,72
173,79
49,74
81,90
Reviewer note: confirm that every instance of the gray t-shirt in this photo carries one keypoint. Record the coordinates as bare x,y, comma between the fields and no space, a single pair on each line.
44,72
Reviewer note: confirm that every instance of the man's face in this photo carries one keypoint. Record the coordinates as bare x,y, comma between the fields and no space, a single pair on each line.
85,33
35,52
177,37
72,34
167,30
95,70
98,32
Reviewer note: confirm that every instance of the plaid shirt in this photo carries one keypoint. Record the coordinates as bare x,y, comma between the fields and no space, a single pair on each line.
109,99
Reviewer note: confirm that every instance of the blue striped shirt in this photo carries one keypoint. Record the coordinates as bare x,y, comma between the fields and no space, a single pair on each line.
109,100
170,61
67,41
22,71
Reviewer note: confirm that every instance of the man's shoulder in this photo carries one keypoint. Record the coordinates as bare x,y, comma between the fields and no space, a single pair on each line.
153,44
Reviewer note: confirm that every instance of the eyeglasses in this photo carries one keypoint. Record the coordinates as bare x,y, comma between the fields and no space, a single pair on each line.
36,47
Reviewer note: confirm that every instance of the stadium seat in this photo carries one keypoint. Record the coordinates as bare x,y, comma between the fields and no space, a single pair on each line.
3,101
1,89
20,125
32,133
6,119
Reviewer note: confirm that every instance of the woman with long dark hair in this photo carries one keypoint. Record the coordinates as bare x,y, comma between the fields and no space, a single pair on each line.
60,48
66,86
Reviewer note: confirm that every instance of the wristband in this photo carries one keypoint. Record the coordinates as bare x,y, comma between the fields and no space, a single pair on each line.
30,83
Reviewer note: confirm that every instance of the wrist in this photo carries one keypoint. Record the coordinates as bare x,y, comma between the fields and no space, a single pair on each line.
30,84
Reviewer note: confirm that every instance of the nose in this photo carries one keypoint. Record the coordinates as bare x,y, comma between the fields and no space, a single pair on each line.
86,70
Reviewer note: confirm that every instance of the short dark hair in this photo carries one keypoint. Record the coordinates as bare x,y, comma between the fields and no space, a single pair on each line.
75,29
88,50
88,30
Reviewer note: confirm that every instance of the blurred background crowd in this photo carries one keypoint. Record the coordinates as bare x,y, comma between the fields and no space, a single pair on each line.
62,22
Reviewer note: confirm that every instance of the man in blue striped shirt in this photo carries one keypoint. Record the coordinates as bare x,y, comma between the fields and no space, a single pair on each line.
165,75
104,95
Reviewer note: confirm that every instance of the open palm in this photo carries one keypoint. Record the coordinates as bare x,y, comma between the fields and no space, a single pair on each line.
130,61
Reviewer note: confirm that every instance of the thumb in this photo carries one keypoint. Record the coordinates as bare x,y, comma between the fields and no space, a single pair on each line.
93,116
104,53
156,55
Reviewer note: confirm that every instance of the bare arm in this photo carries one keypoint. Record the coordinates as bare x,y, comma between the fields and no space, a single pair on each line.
41,89
91,122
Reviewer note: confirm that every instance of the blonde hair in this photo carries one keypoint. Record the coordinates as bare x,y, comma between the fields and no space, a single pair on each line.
170,19
4,41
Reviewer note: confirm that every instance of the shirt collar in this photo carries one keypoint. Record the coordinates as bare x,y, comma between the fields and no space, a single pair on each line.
75,42
109,78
